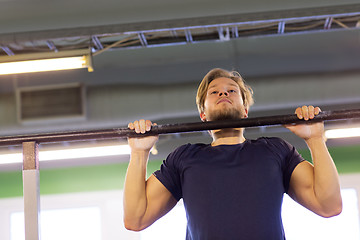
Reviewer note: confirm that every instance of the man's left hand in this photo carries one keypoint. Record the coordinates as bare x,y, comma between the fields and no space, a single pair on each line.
305,130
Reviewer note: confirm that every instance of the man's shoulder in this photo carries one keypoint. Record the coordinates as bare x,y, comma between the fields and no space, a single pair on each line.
183,152
268,140
189,147
273,143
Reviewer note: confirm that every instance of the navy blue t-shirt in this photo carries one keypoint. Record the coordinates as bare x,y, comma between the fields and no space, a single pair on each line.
231,191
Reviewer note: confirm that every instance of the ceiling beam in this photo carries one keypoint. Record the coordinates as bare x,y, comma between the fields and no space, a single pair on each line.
19,37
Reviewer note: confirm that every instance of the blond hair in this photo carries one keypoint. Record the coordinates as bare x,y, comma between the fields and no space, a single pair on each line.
246,90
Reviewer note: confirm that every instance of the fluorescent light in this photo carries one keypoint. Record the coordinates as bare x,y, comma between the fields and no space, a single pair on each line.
46,61
51,155
84,152
342,133
43,65
11,158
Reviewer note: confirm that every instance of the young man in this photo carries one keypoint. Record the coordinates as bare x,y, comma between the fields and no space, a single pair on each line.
233,187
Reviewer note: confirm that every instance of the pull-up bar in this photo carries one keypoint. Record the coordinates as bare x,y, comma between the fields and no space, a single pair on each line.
177,128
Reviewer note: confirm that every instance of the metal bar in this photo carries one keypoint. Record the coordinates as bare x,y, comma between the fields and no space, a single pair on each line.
7,50
235,32
97,43
188,36
281,27
143,40
51,45
222,36
177,128
220,33
174,33
31,190
328,23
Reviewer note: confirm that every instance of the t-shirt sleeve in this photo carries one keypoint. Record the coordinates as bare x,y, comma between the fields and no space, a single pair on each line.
289,158
169,173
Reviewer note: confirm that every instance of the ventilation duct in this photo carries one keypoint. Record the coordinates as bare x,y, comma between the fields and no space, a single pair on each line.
49,103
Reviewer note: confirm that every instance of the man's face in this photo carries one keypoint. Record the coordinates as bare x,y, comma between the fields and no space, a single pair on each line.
223,101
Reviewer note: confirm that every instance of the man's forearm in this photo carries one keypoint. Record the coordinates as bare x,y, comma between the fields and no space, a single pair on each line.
326,179
134,190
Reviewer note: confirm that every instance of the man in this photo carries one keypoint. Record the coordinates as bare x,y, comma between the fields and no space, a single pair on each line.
233,187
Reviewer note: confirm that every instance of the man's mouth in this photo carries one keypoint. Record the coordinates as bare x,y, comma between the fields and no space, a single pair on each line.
224,100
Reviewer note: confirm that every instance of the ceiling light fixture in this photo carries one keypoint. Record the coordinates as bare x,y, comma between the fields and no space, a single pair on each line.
342,133
73,153
41,62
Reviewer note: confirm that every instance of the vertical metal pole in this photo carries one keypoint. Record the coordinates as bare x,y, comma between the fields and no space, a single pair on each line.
31,188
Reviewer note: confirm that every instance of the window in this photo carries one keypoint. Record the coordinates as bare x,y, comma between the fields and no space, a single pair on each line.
59,224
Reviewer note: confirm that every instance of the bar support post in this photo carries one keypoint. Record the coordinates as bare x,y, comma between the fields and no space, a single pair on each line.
31,190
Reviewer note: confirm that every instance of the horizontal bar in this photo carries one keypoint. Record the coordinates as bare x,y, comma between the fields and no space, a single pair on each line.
177,128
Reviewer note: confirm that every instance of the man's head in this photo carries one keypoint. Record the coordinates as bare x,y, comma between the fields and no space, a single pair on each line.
228,81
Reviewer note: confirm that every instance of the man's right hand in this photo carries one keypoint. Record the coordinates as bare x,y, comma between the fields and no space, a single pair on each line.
141,143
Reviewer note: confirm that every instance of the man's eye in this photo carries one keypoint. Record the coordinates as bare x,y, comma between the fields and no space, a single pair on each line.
232,90
214,92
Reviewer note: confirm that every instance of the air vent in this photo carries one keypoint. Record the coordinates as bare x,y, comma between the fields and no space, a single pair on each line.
51,102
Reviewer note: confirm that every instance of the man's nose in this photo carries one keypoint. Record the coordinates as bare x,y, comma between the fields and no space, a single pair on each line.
225,93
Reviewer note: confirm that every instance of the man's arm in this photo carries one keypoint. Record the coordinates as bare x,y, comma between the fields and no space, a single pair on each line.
316,186
145,201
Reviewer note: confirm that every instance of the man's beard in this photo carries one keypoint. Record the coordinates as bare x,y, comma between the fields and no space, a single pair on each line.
226,114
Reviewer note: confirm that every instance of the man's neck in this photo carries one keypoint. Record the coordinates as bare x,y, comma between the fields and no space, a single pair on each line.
227,136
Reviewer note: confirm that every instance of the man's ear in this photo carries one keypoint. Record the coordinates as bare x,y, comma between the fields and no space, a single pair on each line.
246,112
203,117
